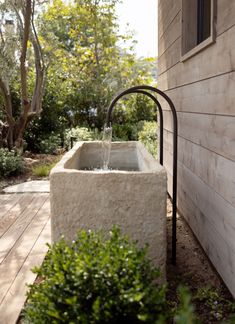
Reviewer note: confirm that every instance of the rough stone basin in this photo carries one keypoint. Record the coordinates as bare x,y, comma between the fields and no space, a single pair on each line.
132,195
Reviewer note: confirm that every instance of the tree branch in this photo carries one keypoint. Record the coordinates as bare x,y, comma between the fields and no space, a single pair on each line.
23,69
2,38
36,105
21,25
36,35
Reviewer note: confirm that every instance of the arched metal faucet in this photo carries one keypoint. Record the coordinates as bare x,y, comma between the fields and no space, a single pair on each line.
159,107
144,89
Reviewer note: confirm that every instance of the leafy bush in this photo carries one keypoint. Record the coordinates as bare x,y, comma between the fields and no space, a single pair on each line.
10,163
126,132
94,280
148,136
50,144
144,131
81,134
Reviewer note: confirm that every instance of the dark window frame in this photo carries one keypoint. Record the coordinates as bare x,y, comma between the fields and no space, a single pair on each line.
197,40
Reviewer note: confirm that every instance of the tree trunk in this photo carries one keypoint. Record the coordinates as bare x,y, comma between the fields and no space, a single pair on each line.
8,132
15,129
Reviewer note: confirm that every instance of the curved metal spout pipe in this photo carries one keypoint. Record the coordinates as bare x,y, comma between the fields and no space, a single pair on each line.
159,107
144,89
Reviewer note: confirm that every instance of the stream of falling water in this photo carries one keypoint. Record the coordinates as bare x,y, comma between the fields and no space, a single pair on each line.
106,146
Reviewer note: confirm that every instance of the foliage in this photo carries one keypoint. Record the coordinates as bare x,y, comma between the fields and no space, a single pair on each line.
80,134
217,305
148,136
78,47
125,132
10,163
133,109
79,39
87,67
50,144
51,120
185,313
96,280
42,170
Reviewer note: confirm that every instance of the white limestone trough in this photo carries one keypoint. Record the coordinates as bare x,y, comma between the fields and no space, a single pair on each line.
132,195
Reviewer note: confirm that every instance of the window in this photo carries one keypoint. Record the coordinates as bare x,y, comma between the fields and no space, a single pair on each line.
197,26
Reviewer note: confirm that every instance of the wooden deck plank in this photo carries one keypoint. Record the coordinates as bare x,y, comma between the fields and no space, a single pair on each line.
18,254
9,239
7,202
13,213
16,295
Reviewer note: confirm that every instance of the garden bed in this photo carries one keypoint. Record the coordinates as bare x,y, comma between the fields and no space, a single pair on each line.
211,298
30,161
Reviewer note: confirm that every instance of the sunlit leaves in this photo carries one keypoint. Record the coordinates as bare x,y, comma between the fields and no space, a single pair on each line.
98,278
86,65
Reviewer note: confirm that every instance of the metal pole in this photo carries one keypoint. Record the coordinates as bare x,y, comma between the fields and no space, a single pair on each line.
72,139
175,150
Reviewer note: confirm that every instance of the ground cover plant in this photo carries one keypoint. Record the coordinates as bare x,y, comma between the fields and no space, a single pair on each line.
42,170
218,305
212,301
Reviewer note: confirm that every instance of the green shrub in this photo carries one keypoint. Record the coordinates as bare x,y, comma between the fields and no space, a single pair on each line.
144,131
10,163
50,144
148,136
125,132
81,134
96,280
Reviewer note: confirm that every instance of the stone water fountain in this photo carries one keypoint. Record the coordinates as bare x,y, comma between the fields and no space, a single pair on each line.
131,192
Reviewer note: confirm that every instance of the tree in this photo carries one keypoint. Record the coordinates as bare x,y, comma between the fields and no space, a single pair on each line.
19,45
80,40
87,67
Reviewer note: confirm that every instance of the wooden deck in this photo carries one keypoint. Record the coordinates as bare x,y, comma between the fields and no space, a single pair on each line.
24,230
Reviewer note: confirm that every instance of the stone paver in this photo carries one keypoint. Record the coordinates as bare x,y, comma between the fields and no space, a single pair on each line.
29,186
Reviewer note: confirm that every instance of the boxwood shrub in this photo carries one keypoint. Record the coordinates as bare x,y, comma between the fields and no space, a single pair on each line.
96,279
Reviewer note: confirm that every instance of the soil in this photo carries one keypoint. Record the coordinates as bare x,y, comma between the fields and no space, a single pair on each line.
211,299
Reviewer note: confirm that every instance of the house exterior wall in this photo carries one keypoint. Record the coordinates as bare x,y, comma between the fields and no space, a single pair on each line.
203,91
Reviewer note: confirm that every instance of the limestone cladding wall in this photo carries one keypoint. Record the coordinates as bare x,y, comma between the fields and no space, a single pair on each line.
202,89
